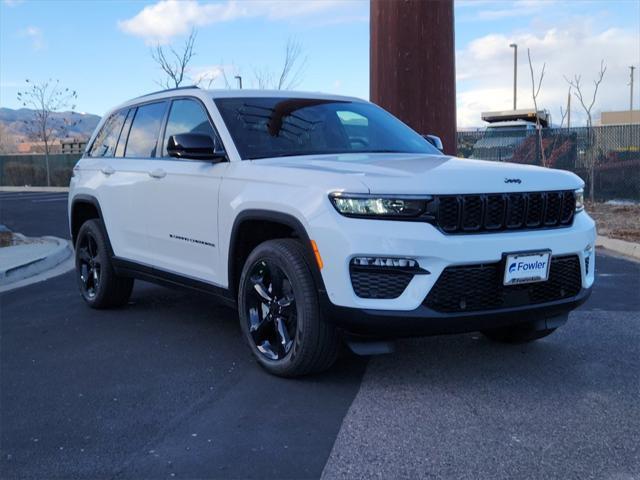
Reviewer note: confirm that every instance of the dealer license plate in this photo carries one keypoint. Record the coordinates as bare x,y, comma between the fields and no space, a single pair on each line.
527,267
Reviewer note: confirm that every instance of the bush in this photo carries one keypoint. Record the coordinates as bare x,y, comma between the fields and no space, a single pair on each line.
19,174
60,177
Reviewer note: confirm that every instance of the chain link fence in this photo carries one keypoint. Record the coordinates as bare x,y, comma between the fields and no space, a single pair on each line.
607,158
31,169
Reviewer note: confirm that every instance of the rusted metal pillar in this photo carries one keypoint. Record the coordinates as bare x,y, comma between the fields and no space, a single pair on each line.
412,65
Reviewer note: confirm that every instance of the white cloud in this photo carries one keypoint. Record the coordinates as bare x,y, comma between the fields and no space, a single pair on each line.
168,18
12,3
213,76
35,34
485,69
490,10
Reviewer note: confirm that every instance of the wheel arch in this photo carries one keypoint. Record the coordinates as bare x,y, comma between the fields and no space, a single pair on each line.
86,207
268,224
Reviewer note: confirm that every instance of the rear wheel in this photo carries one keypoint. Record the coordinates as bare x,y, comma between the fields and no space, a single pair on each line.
99,285
280,314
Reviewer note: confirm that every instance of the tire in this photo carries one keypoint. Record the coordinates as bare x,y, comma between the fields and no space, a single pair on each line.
99,285
517,334
280,314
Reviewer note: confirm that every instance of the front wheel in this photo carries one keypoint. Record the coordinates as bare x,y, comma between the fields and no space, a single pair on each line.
99,285
280,314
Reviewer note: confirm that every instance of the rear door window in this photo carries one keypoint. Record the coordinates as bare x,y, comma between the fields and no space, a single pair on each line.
143,136
105,143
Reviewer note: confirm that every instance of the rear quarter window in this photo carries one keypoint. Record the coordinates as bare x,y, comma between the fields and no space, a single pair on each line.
105,143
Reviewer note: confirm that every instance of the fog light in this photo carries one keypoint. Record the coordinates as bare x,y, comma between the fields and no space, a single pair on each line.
384,262
587,257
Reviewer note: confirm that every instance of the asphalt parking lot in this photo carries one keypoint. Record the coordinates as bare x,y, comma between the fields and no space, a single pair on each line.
165,388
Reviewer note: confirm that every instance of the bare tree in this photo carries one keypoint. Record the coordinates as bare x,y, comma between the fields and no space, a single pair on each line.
535,91
292,68
591,155
47,98
290,75
174,63
564,113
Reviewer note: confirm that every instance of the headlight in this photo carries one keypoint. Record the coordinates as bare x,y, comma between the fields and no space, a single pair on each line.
579,194
380,206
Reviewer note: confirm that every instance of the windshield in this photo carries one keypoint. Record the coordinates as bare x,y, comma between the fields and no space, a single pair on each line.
277,127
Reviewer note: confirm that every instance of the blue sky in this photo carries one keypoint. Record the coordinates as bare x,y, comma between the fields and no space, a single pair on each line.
101,48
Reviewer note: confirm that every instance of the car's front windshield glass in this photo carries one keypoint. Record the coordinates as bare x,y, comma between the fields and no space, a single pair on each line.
278,127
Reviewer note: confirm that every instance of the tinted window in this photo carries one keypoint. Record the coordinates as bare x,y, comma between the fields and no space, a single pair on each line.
356,127
186,116
122,141
105,143
143,136
277,127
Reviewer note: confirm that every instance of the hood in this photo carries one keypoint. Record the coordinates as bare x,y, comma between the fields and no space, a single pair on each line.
402,173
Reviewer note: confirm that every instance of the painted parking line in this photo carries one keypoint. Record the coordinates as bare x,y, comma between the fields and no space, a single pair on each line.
59,199
13,194
30,197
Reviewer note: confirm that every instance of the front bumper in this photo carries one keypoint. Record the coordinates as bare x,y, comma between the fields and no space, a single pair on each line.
424,321
340,239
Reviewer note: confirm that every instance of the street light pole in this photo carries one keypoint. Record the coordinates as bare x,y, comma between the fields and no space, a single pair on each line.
632,68
515,75
239,78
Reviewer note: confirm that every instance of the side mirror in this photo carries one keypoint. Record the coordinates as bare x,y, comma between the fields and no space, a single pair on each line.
435,141
195,146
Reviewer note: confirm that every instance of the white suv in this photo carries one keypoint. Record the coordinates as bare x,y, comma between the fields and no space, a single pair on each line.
321,217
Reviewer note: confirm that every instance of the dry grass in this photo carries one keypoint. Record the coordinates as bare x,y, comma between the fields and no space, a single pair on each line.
6,239
616,221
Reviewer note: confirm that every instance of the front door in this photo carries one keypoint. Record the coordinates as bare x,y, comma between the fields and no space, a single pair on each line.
182,226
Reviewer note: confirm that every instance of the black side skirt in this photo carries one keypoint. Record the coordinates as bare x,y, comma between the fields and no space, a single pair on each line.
127,268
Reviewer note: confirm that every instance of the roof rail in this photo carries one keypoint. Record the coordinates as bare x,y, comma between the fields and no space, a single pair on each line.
168,90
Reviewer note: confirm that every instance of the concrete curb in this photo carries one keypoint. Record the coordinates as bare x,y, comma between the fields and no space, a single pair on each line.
61,250
35,189
629,249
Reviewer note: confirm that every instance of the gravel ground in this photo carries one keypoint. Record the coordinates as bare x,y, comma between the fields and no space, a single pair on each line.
616,221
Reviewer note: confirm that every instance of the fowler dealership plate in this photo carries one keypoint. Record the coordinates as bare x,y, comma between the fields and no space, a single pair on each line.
527,267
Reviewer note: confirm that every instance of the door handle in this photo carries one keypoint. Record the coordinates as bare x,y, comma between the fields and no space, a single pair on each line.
107,170
157,173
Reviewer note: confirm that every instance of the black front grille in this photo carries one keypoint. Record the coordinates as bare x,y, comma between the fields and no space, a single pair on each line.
473,288
379,284
503,211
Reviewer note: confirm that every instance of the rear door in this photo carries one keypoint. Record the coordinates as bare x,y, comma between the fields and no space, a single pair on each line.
128,182
114,182
183,223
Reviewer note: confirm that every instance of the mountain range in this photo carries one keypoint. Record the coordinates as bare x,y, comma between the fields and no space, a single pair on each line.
15,123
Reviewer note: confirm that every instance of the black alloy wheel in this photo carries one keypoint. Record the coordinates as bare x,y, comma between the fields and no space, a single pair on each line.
89,267
99,284
280,312
271,310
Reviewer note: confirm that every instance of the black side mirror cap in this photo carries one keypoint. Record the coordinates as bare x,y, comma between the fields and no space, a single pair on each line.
196,146
435,141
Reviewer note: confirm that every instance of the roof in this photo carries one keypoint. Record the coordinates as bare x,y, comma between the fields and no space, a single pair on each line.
511,123
507,115
234,93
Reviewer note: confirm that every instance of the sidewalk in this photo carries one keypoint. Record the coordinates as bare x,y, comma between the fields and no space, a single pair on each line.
34,189
628,249
30,258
